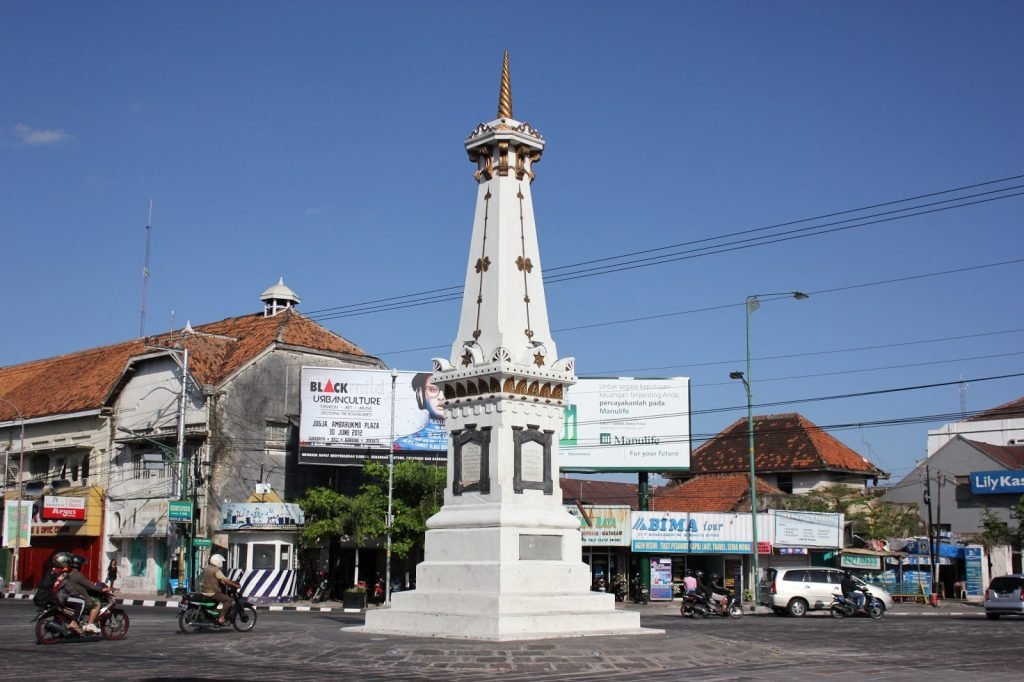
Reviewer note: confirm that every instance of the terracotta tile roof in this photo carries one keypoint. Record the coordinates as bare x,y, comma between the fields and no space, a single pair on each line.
588,491
1011,410
712,493
1010,456
83,381
782,442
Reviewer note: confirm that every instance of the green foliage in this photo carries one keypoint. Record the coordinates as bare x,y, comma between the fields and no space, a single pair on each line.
418,493
995,531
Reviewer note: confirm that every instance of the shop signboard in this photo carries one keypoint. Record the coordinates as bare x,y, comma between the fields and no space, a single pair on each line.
808,529
626,425
261,516
603,525
865,562
202,542
63,508
997,482
179,511
973,571
693,533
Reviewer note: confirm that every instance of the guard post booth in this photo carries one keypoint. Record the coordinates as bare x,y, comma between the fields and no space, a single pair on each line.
263,538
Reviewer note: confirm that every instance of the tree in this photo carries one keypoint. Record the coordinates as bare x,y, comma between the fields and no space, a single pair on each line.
995,531
331,515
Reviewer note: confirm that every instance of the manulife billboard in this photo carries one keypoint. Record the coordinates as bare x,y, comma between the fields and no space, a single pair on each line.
626,424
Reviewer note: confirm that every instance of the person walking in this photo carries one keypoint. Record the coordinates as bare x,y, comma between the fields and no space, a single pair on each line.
112,573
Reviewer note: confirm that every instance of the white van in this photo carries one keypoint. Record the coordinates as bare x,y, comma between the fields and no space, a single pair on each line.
795,591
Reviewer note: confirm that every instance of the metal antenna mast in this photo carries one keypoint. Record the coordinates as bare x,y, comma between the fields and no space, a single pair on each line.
145,271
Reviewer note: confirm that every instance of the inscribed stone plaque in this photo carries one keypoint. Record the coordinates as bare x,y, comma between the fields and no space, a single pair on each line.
471,464
540,547
533,462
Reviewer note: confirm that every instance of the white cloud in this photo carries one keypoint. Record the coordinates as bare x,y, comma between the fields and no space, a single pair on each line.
32,136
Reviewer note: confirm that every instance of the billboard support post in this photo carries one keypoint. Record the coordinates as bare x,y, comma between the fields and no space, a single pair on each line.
391,490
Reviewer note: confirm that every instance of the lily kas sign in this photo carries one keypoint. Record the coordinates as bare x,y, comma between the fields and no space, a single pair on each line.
63,508
997,482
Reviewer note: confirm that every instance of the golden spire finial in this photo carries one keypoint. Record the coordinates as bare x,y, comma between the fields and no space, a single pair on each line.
505,95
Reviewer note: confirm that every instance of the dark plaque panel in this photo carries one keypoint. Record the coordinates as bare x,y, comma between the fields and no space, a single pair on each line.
532,459
471,449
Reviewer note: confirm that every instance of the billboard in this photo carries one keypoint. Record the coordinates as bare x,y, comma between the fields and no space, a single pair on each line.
11,528
610,424
346,416
627,425
997,482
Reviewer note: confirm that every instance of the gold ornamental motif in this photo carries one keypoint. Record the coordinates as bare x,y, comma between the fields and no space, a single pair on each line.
482,264
538,359
505,93
524,264
467,359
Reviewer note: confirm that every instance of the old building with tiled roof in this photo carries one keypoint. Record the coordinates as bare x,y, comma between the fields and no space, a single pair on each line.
103,424
716,493
790,453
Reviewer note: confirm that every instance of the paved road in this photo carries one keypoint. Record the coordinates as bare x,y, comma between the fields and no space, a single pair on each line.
293,646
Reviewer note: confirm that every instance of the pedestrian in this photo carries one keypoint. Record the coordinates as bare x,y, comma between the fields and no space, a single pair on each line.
112,573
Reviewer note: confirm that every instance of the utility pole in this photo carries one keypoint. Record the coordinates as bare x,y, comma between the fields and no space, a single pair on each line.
931,543
184,539
391,491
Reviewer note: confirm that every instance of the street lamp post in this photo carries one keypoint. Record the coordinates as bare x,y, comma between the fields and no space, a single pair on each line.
391,490
752,304
21,489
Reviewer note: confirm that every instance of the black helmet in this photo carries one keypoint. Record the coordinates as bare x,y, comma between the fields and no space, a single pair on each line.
714,576
61,559
689,572
77,561
700,574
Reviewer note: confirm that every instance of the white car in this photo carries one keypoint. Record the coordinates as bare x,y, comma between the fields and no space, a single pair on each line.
795,591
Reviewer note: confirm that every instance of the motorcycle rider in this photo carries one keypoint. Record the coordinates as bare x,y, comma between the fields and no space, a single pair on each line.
213,578
78,585
718,591
852,591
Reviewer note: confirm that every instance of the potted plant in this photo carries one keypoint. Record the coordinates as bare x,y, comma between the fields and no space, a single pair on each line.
354,598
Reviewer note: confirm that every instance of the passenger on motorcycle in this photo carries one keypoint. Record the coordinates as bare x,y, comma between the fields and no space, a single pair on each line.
689,582
213,578
79,586
852,591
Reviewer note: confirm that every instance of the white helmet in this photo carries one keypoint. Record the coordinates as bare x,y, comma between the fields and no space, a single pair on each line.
217,560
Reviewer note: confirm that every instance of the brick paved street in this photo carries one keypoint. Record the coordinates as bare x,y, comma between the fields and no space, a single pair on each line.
908,644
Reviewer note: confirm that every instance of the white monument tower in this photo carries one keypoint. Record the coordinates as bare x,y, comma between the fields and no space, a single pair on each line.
503,557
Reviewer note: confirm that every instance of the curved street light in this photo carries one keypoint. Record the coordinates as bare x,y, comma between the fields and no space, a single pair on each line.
753,303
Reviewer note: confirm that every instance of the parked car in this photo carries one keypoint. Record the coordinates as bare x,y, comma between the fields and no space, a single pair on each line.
795,591
1005,596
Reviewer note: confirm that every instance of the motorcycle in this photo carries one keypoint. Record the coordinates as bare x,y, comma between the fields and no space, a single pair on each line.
697,605
323,589
599,585
620,588
197,612
53,623
377,595
638,591
843,607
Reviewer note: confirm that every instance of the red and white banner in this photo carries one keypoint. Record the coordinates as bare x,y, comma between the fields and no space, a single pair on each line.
63,508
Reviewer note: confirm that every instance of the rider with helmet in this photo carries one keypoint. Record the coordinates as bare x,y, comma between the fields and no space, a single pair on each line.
852,591
703,585
213,578
718,591
79,586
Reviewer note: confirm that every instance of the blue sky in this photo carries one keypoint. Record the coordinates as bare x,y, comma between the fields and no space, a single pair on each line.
322,142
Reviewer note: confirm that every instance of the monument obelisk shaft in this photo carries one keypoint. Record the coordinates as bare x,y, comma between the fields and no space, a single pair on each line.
502,556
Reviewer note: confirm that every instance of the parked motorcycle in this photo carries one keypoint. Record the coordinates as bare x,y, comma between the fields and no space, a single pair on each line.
599,584
323,588
53,623
697,605
843,607
620,588
638,591
197,612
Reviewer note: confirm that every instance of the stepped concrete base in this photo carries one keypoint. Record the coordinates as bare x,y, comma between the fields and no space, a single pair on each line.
461,615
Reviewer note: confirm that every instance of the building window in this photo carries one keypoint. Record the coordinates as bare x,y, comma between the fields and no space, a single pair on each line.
263,556
784,482
276,432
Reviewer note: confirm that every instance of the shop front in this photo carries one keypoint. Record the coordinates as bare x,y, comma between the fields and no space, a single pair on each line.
605,531
69,522
141,541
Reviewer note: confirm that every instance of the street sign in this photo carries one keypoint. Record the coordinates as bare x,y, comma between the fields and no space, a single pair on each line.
202,542
179,511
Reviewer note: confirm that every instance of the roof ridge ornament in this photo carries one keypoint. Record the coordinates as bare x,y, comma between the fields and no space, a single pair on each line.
505,94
